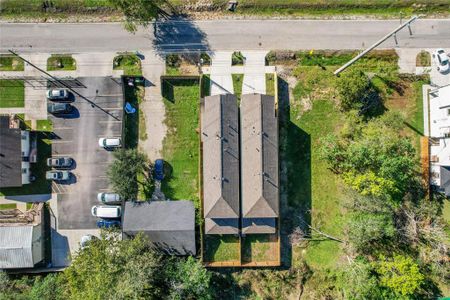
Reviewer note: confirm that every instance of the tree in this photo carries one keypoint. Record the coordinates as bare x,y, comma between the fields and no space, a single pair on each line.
188,279
138,12
356,91
110,268
124,171
373,158
400,273
368,229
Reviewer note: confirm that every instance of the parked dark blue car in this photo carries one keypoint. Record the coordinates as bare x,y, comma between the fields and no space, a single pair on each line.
159,169
108,223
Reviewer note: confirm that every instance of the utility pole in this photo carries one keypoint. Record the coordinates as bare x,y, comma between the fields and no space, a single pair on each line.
392,33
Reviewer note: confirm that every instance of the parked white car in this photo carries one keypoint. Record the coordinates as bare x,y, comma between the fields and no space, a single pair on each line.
108,198
107,212
57,94
57,175
441,60
109,143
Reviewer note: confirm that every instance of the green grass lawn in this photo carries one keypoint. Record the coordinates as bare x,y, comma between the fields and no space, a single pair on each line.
11,63
259,248
12,93
181,144
311,185
270,84
61,63
129,63
238,80
224,248
41,185
44,125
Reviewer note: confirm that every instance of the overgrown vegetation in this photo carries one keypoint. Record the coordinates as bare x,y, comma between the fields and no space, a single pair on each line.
142,12
11,63
112,268
61,62
12,93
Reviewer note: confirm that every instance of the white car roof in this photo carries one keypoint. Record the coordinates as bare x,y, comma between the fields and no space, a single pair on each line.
108,211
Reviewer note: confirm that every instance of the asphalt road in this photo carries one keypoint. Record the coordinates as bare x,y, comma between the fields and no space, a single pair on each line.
77,137
221,35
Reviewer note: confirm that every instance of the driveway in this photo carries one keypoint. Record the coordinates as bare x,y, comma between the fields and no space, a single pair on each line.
99,115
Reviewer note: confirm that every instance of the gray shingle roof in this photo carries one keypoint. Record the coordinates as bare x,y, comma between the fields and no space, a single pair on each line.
10,155
221,226
220,137
16,247
258,225
259,156
169,225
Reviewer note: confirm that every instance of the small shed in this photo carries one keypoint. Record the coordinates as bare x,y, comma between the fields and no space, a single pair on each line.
169,225
21,246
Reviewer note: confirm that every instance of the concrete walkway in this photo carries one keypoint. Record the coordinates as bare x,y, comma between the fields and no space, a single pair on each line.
221,80
153,107
254,72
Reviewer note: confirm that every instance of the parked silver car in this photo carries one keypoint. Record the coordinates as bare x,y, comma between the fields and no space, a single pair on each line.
109,198
58,94
57,175
60,162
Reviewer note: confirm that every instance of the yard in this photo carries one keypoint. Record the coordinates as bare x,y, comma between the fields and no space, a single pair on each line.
181,144
222,249
12,93
309,188
58,62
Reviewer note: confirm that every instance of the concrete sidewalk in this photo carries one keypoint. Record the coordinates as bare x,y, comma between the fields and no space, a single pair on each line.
221,80
254,72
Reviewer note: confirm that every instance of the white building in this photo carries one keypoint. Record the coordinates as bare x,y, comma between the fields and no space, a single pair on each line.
439,116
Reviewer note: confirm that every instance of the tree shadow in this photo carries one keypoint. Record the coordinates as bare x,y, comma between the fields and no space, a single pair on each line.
295,156
178,34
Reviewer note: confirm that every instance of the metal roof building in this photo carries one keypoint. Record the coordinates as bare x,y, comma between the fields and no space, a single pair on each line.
169,225
10,155
21,246
259,164
220,139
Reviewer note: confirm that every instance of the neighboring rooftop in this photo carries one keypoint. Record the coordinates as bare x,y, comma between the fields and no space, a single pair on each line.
10,154
220,137
440,112
169,225
259,163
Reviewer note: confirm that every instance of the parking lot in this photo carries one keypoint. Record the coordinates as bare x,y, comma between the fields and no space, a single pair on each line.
98,113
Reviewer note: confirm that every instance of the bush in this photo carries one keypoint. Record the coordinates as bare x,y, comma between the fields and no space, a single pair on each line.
173,60
237,59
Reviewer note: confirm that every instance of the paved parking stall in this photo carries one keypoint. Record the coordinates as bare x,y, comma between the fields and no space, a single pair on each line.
99,115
